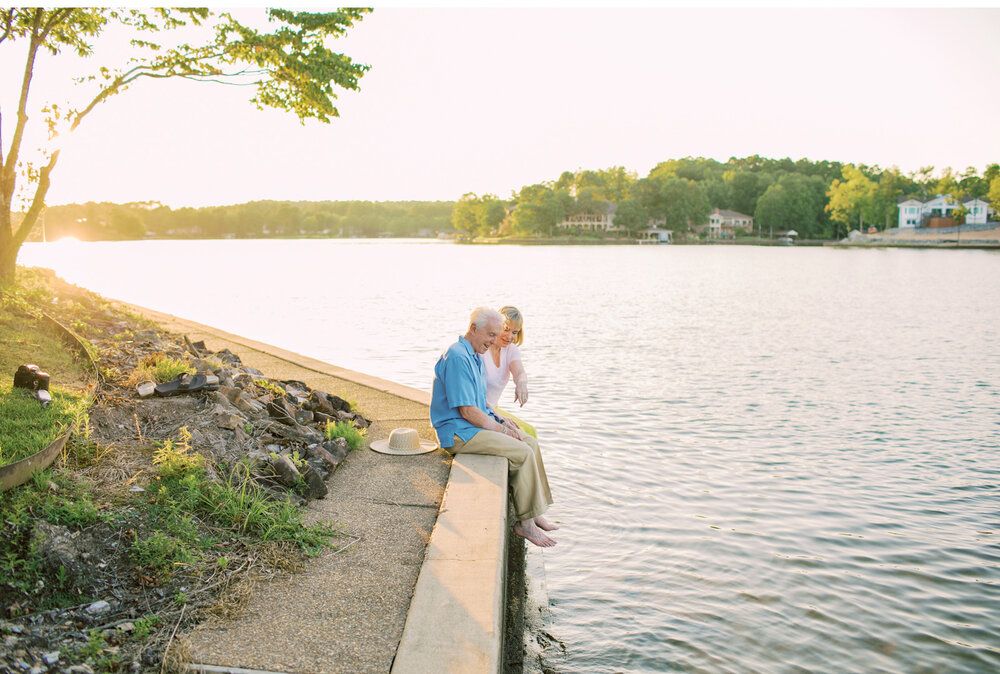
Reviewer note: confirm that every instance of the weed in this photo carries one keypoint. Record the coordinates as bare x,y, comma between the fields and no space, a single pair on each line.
271,387
166,369
341,429
143,627
178,459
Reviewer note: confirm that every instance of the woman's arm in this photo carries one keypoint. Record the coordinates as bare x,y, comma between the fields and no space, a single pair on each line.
520,382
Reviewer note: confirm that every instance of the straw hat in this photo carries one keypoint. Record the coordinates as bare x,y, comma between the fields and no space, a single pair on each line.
403,441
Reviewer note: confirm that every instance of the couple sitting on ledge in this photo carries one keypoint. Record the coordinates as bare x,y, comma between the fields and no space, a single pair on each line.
468,380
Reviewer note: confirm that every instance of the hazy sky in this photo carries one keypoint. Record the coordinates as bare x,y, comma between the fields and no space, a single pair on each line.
488,100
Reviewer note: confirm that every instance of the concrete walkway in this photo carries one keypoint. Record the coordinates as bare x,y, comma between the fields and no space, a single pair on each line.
347,611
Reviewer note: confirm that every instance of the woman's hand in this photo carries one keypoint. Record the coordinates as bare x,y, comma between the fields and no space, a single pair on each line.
521,392
520,382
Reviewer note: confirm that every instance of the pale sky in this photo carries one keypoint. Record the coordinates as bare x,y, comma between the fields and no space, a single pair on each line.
488,100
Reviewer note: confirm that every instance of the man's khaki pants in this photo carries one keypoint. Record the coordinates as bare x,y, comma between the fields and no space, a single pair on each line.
528,484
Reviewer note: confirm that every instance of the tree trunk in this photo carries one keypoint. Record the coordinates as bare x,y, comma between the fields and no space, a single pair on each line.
8,251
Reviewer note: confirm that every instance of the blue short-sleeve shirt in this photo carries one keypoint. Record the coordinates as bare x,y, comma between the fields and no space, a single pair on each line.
459,381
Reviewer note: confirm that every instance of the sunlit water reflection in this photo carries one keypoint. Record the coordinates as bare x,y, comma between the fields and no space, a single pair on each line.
764,459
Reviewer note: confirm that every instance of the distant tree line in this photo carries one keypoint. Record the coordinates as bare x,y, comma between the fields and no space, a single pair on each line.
107,221
820,200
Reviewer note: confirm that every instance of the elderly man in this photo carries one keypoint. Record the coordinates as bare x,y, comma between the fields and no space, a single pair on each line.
466,423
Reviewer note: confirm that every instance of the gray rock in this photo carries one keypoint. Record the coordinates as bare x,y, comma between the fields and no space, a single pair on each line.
285,470
76,552
316,487
281,410
98,608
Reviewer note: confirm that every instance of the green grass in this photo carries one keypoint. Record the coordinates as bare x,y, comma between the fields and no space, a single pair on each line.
183,501
341,429
25,427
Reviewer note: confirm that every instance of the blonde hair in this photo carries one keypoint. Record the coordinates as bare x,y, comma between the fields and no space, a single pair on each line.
513,315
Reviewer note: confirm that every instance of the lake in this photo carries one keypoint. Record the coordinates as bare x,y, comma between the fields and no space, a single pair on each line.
764,459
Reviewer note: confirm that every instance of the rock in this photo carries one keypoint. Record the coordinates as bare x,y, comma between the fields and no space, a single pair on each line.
316,487
98,608
338,403
295,387
321,404
301,434
230,421
321,419
243,380
338,447
77,552
201,366
304,416
228,357
50,658
281,410
285,470
146,389
320,453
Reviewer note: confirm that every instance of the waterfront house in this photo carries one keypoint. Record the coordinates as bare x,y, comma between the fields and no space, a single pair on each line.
601,219
722,224
916,213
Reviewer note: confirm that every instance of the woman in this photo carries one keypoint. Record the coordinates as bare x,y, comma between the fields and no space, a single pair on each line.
503,360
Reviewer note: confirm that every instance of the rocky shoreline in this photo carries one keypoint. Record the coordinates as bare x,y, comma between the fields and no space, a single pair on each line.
276,429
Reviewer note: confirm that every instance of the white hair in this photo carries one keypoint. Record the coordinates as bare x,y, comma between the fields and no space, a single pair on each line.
481,316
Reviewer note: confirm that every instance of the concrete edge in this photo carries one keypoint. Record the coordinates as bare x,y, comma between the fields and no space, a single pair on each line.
455,621
456,617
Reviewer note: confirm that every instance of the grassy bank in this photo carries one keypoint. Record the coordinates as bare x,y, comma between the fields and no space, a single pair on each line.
25,426
158,530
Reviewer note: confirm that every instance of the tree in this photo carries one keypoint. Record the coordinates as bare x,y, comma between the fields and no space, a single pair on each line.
631,215
852,198
795,202
994,193
463,214
683,204
290,68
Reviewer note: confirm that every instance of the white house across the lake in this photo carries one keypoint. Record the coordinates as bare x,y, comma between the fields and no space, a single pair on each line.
916,213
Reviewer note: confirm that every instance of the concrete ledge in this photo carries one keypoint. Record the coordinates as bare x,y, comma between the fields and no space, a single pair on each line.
455,622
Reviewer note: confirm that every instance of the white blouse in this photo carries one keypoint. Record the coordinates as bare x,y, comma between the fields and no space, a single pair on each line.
497,376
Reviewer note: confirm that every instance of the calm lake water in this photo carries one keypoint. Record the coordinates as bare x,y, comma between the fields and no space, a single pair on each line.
763,459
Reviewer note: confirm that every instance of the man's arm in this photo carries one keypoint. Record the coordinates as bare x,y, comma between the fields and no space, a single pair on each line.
477,417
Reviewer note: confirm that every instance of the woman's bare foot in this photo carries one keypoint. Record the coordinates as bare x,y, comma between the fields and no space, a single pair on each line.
545,525
529,530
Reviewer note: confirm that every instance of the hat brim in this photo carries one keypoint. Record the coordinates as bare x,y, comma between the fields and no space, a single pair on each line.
382,446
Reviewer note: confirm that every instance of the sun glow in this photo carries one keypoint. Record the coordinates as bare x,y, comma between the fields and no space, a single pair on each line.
67,240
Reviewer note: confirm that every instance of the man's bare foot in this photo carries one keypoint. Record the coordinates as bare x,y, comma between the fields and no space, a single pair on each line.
529,530
545,525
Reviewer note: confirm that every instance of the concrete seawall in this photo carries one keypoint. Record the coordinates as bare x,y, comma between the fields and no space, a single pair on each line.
422,585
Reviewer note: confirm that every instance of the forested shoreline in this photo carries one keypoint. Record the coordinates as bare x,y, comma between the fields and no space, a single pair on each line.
106,221
820,200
